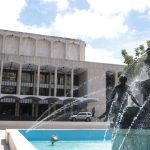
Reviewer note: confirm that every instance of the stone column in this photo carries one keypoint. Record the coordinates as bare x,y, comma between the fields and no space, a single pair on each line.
34,83
72,89
55,83
38,80
17,107
72,81
19,79
1,76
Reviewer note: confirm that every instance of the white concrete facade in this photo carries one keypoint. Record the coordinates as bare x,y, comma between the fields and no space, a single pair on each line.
25,44
61,60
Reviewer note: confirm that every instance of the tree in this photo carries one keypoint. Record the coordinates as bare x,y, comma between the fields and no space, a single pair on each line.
148,43
137,52
128,59
124,52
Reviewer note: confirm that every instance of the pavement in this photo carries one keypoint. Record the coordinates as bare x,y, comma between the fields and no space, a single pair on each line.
52,125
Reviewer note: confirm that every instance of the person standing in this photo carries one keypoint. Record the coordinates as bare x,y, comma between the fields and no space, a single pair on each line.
93,112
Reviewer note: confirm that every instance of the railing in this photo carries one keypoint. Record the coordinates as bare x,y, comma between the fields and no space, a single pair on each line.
30,84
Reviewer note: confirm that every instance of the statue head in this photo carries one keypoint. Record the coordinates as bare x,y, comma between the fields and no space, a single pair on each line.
123,79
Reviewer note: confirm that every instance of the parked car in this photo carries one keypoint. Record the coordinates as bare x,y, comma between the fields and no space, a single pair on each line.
82,116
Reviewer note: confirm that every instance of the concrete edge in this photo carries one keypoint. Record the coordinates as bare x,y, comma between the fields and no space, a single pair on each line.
17,141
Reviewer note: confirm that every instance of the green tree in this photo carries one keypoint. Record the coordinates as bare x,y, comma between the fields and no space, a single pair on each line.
124,52
148,43
137,52
128,59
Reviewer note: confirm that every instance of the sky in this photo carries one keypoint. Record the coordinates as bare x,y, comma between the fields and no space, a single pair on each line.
106,26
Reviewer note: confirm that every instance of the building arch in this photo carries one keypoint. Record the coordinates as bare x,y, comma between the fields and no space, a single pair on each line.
58,49
49,105
69,100
28,46
73,51
43,48
13,97
33,98
11,65
12,46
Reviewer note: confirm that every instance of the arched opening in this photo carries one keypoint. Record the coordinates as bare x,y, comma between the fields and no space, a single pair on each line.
26,109
7,108
43,108
49,106
12,46
72,107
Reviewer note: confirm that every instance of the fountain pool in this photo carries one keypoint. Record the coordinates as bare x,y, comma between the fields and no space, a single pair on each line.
73,139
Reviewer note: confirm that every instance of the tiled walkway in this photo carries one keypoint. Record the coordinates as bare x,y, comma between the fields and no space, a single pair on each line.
3,145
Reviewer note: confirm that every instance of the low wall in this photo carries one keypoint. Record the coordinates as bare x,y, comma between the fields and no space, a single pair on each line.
52,125
17,141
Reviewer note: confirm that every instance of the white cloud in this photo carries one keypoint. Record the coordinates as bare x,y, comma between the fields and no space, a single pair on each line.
103,19
101,55
61,4
87,24
110,7
10,11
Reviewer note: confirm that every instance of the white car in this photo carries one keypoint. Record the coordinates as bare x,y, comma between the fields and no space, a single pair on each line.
86,116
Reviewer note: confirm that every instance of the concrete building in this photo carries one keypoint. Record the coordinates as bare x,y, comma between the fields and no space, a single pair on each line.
38,71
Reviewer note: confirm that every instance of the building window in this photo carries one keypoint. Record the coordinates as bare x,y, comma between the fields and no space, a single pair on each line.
27,76
60,92
44,78
60,79
8,89
9,75
76,80
27,90
68,80
44,92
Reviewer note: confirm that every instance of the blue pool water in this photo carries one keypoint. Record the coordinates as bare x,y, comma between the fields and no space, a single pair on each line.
70,139
73,145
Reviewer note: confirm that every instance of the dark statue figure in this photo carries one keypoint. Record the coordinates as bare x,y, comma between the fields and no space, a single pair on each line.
137,117
119,106
133,117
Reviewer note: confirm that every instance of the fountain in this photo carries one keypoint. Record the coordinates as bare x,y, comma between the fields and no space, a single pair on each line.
54,138
133,129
